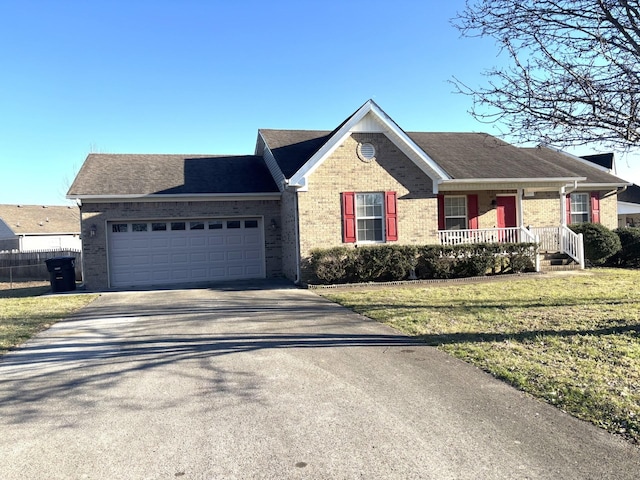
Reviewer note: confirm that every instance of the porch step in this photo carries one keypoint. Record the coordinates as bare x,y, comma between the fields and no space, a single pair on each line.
557,261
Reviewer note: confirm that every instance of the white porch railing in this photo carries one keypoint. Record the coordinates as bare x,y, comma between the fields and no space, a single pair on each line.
486,235
572,245
561,239
550,239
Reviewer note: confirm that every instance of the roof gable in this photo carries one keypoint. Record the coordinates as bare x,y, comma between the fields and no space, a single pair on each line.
300,152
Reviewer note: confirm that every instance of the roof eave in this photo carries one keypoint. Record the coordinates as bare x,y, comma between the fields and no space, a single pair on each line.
605,185
550,183
202,197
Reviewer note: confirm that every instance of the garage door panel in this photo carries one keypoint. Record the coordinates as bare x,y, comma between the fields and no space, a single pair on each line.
234,240
159,242
233,256
252,270
235,271
198,242
252,239
185,251
216,240
198,257
140,260
160,258
252,255
179,242
179,258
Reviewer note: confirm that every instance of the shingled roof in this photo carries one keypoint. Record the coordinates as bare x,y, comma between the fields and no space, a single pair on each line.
580,167
151,174
292,148
482,156
41,220
461,155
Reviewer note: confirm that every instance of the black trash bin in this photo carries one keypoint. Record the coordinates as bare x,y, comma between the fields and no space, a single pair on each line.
62,273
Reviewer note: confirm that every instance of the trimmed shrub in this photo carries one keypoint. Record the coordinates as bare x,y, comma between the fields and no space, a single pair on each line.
629,254
435,262
475,261
600,243
331,265
521,257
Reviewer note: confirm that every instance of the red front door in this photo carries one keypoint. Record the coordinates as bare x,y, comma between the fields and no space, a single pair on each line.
506,211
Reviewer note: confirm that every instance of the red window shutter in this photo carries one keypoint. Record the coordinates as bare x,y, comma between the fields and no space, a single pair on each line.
568,209
348,217
441,223
595,207
391,216
472,211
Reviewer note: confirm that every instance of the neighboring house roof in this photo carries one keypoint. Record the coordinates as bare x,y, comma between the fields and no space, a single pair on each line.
580,167
605,160
40,220
630,195
149,174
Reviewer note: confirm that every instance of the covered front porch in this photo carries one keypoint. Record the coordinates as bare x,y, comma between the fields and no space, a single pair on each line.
560,239
511,211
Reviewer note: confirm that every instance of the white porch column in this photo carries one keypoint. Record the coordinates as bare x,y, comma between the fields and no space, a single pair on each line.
520,207
563,203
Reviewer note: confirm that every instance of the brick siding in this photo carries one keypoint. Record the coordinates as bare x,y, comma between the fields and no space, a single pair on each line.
320,208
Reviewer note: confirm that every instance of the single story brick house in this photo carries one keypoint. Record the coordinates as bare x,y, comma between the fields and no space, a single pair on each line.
27,228
165,219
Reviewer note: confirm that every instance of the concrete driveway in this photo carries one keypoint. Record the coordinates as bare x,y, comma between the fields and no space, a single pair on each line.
271,382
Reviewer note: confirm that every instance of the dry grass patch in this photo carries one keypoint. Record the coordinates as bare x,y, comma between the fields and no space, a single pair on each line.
571,340
24,312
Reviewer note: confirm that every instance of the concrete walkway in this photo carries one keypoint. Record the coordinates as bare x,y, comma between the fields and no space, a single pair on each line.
271,383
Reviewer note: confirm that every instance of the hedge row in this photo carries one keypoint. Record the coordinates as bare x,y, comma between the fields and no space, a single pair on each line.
383,263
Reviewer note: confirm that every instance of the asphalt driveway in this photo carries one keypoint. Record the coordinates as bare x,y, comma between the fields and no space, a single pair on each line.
271,382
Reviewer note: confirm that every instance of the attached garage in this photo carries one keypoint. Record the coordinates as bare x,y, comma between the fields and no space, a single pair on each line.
156,252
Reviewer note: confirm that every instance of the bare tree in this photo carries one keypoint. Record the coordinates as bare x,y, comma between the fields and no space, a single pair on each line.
573,75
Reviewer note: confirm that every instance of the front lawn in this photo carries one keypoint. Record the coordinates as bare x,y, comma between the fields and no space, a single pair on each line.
571,339
24,312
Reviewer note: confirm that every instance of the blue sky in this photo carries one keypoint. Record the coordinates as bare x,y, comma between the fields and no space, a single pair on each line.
196,76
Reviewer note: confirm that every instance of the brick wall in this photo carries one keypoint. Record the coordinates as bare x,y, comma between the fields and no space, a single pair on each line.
95,248
542,209
320,207
289,247
609,210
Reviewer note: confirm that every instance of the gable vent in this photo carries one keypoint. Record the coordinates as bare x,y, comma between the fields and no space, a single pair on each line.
366,152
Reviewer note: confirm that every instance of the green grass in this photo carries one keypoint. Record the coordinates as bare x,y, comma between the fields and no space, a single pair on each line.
23,313
572,340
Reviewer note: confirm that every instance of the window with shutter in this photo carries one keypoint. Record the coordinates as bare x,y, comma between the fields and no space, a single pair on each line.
369,217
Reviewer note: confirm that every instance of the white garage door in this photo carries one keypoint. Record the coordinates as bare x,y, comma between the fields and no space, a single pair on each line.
175,251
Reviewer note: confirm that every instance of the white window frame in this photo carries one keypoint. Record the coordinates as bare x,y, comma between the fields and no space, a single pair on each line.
587,212
466,212
380,217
